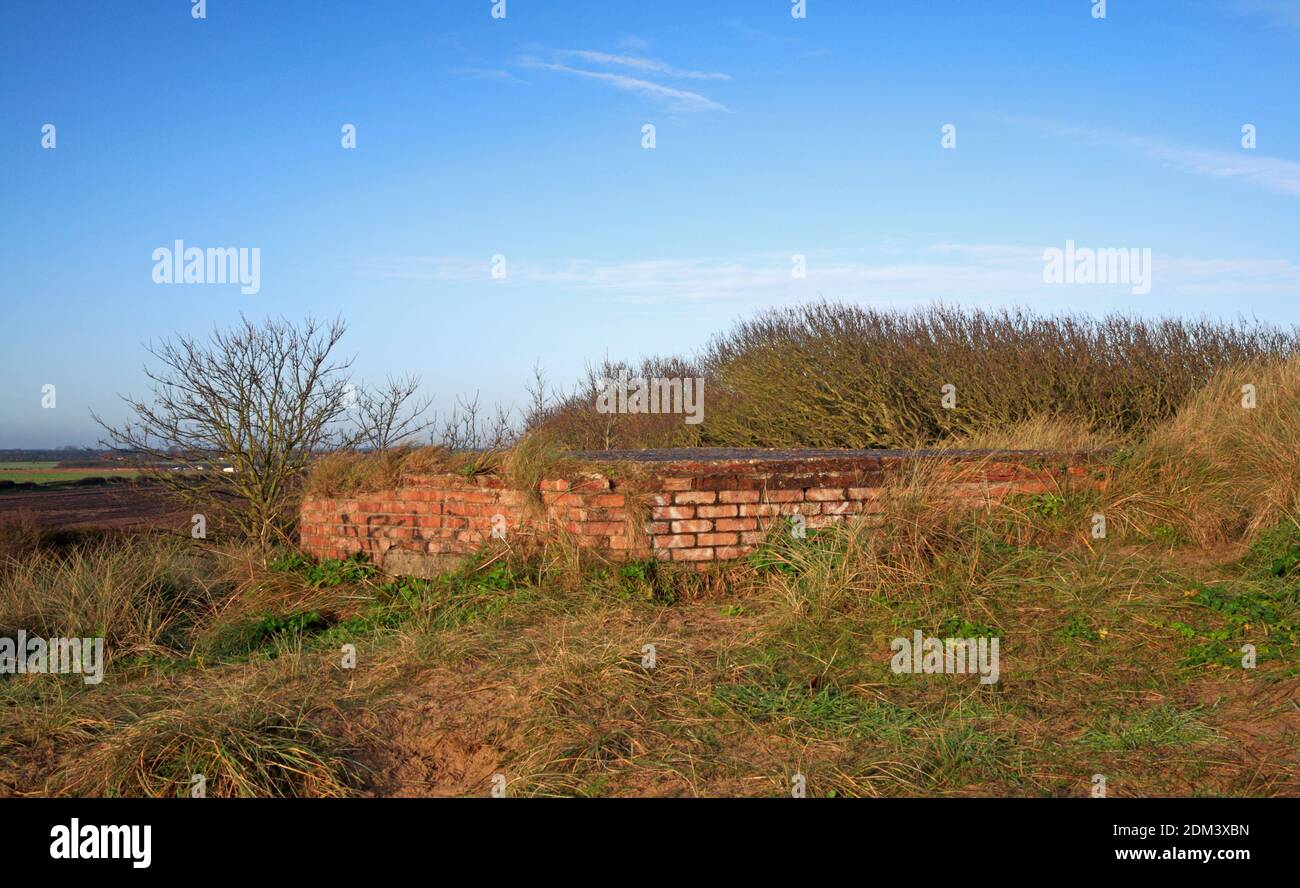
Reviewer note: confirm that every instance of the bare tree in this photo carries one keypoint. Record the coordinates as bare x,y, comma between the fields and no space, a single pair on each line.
466,428
385,418
260,399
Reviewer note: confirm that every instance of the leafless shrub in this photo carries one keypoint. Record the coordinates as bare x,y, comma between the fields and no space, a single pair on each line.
242,412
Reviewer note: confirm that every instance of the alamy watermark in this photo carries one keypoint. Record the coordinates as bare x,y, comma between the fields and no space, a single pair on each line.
60,656
215,265
103,842
920,655
653,394
1106,265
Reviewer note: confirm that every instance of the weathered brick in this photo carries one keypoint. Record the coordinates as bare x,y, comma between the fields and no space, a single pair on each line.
717,539
782,496
823,494
600,528
694,497
706,511
735,524
591,483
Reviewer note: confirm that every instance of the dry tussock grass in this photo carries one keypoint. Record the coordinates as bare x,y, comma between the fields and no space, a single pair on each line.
764,669
1218,471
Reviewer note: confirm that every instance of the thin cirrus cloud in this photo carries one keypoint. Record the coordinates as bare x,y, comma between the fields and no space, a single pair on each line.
487,74
1281,12
672,96
639,63
1271,173
971,273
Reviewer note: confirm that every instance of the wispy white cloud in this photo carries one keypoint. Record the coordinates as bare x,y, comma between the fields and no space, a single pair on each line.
677,98
497,74
640,63
1248,166
970,273
1281,12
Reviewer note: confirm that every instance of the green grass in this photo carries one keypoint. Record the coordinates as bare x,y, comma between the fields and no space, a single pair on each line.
823,712
1117,657
1159,726
46,473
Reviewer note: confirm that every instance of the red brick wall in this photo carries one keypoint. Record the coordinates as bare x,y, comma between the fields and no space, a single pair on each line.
680,509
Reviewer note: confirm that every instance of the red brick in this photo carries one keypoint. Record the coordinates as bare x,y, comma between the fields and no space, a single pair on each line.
716,511
782,496
676,541
725,524
695,496
673,513
738,496
675,484
761,510
726,553
697,526
693,555
823,494
717,539
592,483
603,528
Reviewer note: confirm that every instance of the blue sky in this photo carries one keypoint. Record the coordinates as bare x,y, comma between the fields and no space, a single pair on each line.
522,137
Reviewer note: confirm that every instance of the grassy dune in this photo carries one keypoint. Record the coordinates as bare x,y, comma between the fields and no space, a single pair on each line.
1120,656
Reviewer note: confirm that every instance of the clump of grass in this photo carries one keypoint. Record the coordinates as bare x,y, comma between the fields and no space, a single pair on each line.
243,746
1156,726
142,594
349,472
1043,431
1220,471
817,711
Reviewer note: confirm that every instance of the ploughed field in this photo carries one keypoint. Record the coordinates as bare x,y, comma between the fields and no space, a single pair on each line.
117,506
